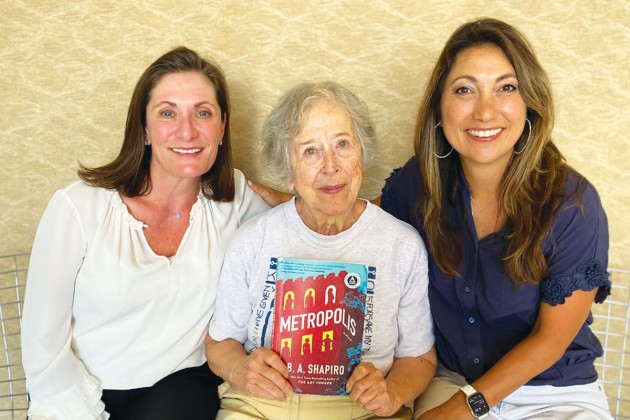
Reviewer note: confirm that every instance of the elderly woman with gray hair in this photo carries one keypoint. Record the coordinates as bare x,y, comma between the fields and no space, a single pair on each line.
319,139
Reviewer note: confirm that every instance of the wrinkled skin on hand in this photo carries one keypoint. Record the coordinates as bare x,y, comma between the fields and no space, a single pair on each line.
368,388
262,374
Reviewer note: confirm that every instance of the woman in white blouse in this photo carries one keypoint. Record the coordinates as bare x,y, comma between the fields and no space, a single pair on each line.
125,263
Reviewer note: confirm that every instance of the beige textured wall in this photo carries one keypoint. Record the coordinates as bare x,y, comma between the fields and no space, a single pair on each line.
68,69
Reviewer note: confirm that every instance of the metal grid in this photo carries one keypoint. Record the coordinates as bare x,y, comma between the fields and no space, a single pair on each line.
13,395
610,324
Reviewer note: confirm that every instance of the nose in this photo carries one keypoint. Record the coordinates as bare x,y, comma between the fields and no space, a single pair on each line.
330,162
186,129
485,107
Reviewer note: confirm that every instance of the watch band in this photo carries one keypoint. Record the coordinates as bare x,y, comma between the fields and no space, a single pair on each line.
468,390
476,402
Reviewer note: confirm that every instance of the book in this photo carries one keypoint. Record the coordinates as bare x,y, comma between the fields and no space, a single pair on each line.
318,322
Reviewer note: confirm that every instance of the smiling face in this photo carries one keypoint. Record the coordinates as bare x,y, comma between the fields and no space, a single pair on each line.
326,163
184,126
483,112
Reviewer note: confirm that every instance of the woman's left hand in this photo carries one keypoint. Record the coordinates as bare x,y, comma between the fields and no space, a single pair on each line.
368,388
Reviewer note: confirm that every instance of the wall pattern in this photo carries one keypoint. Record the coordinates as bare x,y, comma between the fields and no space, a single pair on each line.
68,69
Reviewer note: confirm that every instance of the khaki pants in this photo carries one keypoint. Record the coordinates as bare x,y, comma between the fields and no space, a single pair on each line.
237,405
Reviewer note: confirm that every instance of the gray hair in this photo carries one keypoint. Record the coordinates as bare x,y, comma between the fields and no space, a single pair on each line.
286,118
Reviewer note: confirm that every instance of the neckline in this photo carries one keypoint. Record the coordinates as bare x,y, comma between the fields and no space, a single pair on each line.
118,202
359,225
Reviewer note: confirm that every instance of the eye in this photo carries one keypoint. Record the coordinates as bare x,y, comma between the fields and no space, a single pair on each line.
167,113
204,114
508,88
343,143
463,90
310,151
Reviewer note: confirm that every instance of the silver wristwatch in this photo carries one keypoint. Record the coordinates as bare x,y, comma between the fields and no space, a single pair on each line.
476,402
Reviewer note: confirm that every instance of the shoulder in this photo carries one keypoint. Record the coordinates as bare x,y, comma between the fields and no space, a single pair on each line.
240,186
582,203
245,205
239,178
84,196
400,192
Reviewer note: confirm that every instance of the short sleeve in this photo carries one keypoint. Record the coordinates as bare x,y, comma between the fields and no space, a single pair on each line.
577,251
233,307
415,324
401,191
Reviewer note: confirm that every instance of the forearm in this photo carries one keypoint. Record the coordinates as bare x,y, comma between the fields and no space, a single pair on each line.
261,374
555,329
529,358
223,355
409,376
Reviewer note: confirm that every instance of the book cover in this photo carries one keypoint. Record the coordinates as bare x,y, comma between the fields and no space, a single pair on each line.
318,322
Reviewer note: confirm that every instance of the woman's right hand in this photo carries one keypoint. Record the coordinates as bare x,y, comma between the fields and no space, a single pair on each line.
271,196
261,374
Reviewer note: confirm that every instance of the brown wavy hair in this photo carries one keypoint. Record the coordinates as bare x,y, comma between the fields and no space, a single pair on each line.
532,189
129,173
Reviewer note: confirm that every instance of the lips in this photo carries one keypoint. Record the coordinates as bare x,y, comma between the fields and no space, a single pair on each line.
187,151
332,189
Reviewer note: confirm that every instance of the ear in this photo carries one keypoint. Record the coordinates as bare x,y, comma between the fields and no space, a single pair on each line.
147,142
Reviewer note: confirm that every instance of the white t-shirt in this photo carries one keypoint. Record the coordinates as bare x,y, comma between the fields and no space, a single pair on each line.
398,312
102,310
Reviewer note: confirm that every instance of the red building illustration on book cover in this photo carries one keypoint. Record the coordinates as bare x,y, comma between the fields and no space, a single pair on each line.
318,322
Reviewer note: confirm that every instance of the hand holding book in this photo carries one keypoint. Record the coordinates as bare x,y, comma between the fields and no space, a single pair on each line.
368,388
262,373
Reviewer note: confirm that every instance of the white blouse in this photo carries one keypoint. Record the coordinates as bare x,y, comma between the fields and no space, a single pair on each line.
103,311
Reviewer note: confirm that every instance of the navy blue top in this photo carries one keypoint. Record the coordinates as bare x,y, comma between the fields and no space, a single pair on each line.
481,315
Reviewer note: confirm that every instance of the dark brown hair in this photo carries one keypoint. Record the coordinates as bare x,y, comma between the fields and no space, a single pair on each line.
533,186
129,173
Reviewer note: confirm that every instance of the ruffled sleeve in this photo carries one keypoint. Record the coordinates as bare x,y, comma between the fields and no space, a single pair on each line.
556,288
577,251
81,402
59,385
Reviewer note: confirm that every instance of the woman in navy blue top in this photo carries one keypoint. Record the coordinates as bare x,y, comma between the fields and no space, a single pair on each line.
518,240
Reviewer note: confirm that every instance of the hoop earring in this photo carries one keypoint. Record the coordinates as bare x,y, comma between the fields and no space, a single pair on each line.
526,141
435,154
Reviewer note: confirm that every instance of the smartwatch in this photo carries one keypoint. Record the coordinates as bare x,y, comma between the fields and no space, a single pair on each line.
476,402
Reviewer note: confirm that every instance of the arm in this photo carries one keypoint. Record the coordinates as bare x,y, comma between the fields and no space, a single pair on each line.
271,196
384,396
58,383
261,374
555,328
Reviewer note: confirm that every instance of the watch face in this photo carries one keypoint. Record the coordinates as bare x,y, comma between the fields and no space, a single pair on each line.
478,404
